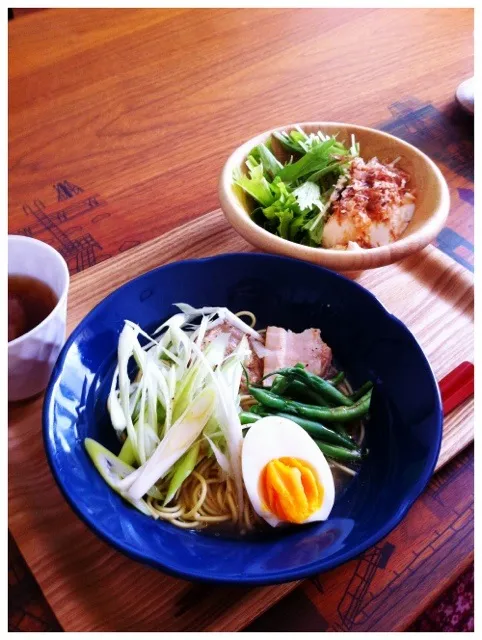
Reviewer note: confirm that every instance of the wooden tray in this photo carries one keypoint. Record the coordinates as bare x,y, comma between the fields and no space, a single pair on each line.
92,587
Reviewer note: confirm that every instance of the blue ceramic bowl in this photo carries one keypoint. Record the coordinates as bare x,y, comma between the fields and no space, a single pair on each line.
403,435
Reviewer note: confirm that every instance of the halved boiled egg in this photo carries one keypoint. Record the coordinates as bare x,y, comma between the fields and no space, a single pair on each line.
286,476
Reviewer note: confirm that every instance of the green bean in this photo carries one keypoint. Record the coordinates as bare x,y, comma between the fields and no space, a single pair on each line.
268,398
288,386
362,391
339,428
339,453
284,385
316,383
257,409
336,414
336,380
329,391
247,417
280,385
315,429
300,391
319,431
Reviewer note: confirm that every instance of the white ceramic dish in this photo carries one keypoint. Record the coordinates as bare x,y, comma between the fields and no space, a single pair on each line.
31,356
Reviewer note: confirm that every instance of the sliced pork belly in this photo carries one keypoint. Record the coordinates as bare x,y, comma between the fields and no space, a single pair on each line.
253,364
285,349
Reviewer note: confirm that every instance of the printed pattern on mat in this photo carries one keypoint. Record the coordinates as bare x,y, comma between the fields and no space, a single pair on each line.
27,608
55,224
448,139
369,593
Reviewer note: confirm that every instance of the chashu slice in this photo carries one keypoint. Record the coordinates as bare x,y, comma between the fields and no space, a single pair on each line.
285,348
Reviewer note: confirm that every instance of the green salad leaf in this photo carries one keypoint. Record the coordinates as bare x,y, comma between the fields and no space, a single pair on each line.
315,228
272,166
256,184
317,158
291,142
308,195
292,200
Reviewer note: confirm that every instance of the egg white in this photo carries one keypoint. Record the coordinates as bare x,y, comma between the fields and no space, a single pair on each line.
271,438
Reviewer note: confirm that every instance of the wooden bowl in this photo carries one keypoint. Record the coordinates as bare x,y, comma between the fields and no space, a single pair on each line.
431,205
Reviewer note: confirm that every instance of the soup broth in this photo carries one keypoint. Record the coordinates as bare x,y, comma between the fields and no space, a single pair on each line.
30,301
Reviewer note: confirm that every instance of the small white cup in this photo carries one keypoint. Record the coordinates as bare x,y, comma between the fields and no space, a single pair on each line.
31,356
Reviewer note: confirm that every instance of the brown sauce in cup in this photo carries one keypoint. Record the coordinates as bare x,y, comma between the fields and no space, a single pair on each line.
30,301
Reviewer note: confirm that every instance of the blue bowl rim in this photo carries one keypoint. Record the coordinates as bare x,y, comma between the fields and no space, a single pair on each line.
279,576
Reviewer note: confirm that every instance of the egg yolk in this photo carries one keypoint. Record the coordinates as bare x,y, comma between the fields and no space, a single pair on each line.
290,489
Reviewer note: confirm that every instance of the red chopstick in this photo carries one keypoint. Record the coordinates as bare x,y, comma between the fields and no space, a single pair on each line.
457,386
461,373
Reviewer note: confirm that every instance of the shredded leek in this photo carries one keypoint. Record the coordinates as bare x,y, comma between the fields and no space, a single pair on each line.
181,404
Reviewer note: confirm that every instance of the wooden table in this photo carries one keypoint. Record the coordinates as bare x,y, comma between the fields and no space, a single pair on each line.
140,108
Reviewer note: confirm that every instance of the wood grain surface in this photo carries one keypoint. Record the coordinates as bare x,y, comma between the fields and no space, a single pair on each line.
119,124
144,106
429,292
